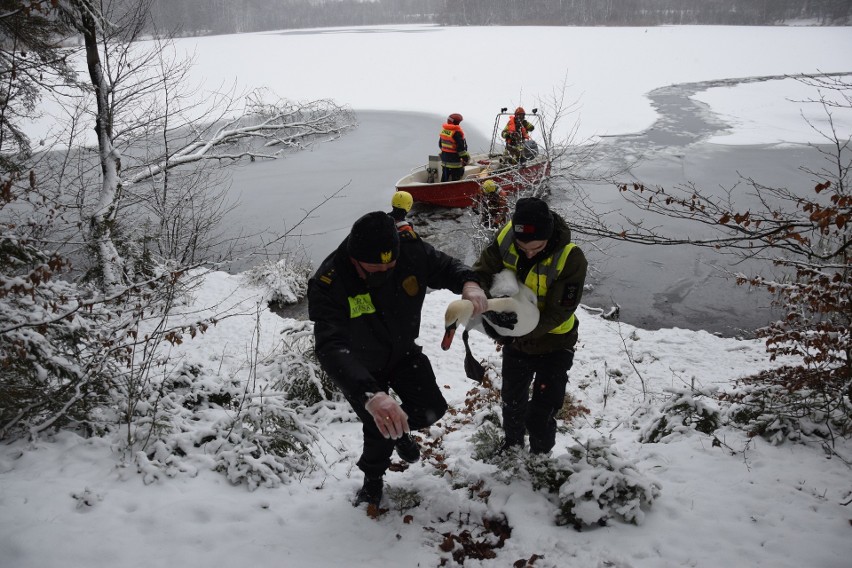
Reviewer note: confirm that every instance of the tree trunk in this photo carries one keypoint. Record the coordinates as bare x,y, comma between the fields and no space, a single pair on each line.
103,219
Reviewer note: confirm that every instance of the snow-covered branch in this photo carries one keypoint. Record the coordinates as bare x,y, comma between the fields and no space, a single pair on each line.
291,125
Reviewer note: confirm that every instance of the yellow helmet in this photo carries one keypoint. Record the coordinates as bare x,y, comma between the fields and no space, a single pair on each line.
489,186
402,200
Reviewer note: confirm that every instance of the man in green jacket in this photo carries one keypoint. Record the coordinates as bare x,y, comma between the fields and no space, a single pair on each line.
365,301
537,246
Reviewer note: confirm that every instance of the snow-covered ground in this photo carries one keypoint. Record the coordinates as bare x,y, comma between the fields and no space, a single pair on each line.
69,501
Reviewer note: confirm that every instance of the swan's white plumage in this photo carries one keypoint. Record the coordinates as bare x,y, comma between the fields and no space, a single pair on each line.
505,284
519,300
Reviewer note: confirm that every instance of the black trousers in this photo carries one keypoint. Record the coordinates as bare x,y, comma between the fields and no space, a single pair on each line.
535,415
414,382
451,174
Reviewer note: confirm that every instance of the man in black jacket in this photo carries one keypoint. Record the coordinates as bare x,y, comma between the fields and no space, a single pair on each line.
365,301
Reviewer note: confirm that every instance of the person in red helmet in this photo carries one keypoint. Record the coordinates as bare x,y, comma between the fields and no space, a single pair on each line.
516,133
453,146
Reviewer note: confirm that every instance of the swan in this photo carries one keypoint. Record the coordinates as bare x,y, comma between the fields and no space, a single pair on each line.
514,315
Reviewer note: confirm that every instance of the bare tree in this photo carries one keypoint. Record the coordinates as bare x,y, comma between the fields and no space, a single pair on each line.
77,355
152,127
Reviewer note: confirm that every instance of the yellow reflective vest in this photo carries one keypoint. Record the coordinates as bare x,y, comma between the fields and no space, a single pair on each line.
542,275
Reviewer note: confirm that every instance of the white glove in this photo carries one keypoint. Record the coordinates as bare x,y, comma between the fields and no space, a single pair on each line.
475,295
390,418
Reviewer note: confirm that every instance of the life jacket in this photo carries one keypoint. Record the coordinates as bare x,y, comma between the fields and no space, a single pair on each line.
512,126
405,229
542,275
448,143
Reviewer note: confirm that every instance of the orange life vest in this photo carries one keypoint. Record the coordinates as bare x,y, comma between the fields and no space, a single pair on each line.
448,143
511,127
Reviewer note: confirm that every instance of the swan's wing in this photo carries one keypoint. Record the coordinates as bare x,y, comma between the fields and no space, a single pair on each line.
510,318
499,338
505,320
490,331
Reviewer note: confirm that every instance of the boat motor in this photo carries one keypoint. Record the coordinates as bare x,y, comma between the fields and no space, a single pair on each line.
432,169
530,150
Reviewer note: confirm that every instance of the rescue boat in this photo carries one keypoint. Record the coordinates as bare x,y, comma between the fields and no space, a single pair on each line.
425,185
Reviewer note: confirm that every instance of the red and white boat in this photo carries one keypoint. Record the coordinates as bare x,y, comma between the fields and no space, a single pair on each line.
424,185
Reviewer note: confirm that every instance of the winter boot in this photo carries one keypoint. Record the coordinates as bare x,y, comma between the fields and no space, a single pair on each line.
407,448
371,492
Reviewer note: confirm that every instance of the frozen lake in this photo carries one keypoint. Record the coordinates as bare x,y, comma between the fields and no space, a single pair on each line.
655,286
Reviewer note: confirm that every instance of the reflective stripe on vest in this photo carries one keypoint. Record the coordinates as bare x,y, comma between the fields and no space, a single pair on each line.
448,143
360,305
541,276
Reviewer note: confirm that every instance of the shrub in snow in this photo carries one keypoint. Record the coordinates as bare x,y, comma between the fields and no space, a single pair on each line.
486,439
602,485
67,351
591,484
267,444
302,377
403,499
686,410
253,436
55,371
778,411
285,280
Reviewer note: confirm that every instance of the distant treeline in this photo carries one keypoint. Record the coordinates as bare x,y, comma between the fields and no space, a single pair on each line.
643,12
190,17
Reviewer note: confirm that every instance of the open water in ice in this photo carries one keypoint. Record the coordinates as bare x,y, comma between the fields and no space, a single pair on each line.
654,286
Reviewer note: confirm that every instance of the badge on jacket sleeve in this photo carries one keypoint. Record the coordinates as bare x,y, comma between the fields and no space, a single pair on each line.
569,296
327,277
411,286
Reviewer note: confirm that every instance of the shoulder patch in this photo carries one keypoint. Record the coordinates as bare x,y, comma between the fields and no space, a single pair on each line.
569,296
411,286
327,278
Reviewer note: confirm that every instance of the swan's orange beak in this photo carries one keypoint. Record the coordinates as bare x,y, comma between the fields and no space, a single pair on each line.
449,333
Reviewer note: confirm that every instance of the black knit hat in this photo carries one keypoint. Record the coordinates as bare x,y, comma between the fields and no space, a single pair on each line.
374,239
532,220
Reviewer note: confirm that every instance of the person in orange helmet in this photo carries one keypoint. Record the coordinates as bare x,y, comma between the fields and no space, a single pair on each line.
453,146
516,133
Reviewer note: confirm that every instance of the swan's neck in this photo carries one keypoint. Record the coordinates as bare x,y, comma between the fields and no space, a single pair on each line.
459,312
